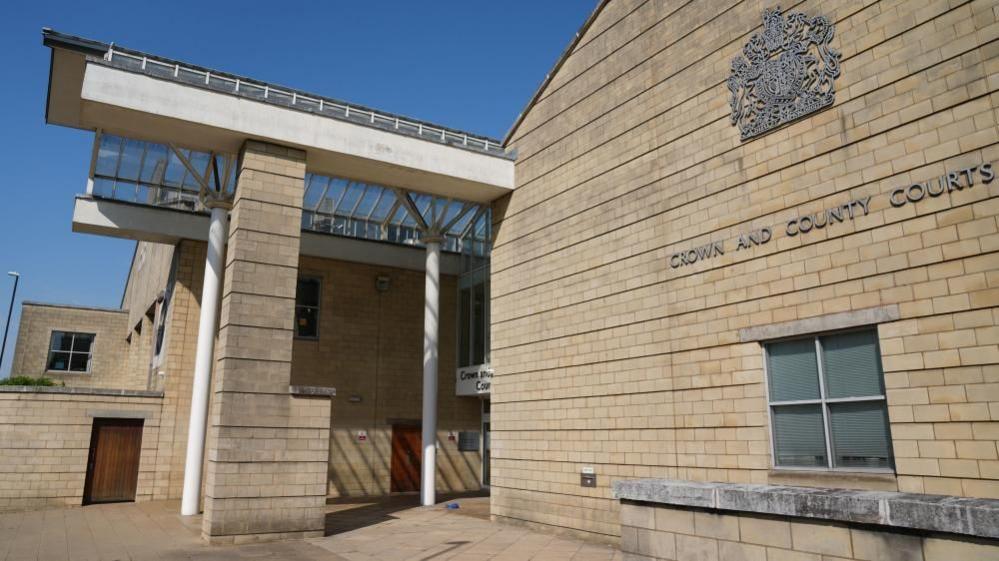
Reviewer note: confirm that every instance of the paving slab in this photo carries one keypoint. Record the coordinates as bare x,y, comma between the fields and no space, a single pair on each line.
380,529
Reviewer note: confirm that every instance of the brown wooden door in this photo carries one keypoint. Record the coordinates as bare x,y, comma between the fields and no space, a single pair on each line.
113,464
407,449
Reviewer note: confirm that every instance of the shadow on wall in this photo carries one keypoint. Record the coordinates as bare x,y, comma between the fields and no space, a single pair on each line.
361,468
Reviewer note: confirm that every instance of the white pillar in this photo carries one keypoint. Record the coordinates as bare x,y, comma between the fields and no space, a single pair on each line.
428,466
190,503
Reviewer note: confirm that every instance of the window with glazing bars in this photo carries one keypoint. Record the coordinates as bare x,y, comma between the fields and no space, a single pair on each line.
70,352
307,300
827,403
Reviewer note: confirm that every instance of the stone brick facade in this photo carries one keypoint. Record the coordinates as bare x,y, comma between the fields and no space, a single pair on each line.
607,356
370,348
116,361
266,452
45,440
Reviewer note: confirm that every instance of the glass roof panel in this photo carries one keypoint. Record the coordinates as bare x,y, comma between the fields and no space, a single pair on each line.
384,206
107,156
360,209
367,203
315,187
155,163
144,172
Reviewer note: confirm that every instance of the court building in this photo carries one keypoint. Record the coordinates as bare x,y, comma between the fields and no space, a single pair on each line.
728,289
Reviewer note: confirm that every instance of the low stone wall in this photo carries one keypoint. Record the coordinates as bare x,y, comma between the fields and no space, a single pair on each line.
45,440
671,520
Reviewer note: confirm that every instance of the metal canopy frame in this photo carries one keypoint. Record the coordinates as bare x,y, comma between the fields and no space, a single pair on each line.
166,175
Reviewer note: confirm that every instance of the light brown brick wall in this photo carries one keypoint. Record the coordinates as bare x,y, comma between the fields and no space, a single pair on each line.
371,345
659,533
266,453
605,356
112,366
176,374
45,439
147,279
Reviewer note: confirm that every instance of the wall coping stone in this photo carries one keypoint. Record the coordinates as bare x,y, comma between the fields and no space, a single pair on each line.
73,307
932,513
312,391
80,391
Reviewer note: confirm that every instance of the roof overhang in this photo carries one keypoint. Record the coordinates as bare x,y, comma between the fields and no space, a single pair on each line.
87,93
161,225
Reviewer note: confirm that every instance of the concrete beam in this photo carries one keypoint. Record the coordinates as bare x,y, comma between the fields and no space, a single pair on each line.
145,107
162,225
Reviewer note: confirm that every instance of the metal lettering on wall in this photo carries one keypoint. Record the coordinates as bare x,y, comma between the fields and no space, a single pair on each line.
949,182
786,72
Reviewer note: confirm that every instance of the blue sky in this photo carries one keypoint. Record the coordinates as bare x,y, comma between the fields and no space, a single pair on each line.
471,65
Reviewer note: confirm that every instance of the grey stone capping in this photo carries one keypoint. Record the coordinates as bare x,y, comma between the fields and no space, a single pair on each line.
80,391
312,391
818,324
928,513
73,307
107,414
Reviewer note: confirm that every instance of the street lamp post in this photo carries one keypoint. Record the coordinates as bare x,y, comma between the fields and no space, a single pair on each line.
10,312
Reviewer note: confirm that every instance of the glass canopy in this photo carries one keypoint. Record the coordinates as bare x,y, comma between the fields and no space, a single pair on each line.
148,173
142,172
363,210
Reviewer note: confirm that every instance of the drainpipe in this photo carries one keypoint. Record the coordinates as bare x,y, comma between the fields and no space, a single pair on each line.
190,503
428,466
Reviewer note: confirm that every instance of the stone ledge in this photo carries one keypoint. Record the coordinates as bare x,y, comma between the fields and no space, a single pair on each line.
931,513
818,324
79,391
312,391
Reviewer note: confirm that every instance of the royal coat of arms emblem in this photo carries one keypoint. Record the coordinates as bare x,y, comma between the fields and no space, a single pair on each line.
785,72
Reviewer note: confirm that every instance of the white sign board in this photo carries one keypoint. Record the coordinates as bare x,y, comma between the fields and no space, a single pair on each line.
474,380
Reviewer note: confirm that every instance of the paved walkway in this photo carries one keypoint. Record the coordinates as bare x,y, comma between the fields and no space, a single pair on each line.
389,530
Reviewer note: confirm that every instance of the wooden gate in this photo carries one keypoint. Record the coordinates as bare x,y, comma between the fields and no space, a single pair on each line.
407,450
113,464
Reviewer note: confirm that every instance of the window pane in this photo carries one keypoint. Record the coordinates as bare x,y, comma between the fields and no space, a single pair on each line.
61,341
107,155
82,342
852,365
464,337
479,319
155,165
794,372
58,361
308,292
306,321
131,158
79,362
799,438
860,437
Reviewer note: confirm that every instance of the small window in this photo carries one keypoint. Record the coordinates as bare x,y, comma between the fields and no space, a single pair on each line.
307,307
827,403
70,352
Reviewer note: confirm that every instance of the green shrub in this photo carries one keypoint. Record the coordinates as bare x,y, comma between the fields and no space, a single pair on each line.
26,381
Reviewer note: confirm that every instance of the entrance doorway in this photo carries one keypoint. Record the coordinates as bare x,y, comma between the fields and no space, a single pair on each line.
407,450
113,463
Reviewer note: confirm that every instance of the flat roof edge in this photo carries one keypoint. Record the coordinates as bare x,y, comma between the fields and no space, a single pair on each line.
55,39
363,115
73,307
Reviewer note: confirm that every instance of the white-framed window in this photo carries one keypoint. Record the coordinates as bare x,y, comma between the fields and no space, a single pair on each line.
827,403
70,352
307,300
